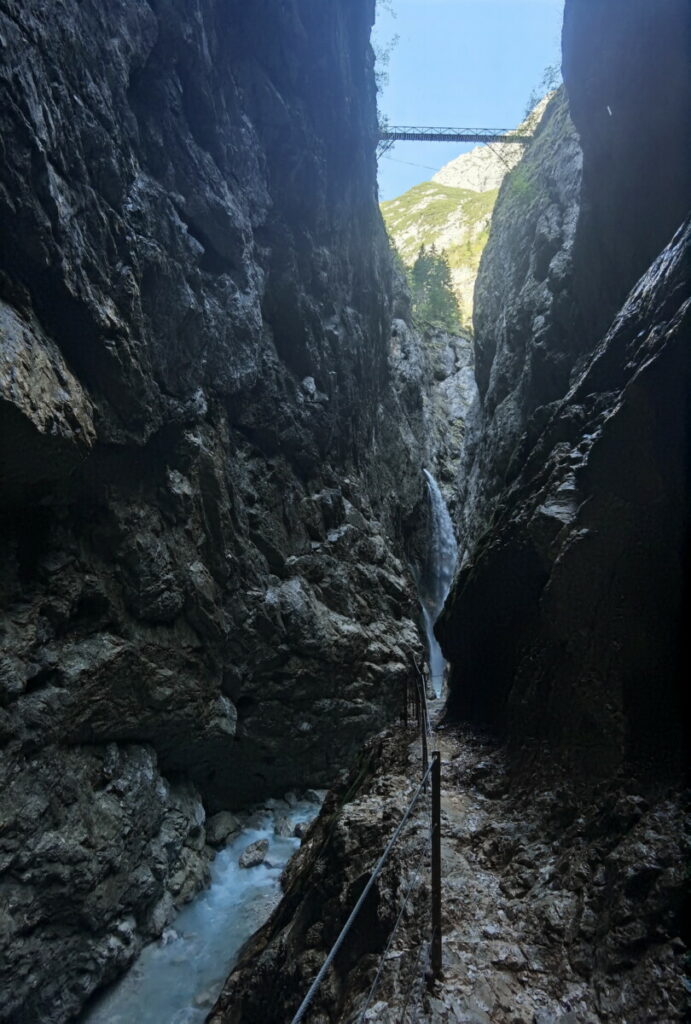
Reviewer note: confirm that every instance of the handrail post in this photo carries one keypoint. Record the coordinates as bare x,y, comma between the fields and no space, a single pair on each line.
423,724
425,752
436,864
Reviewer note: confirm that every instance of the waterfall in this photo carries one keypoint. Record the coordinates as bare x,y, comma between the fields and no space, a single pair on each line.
441,564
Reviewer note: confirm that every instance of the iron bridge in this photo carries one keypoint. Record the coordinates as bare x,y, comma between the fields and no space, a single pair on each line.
388,134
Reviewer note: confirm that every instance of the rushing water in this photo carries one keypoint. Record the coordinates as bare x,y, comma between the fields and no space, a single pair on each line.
443,552
176,980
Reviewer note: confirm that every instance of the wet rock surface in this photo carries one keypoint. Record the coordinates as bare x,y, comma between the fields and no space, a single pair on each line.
181,975
541,905
321,885
206,462
221,827
96,850
580,530
567,625
564,855
254,854
553,910
210,448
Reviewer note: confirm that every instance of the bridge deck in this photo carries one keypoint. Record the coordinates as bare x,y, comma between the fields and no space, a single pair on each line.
406,134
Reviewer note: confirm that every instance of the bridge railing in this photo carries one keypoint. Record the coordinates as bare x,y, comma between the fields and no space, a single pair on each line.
407,133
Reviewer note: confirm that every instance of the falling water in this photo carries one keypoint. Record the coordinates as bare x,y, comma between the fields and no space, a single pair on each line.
440,569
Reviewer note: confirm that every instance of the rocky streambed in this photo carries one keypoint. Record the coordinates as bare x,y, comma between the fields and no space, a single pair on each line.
177,979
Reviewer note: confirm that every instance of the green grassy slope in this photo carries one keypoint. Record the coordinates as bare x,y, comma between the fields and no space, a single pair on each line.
454,220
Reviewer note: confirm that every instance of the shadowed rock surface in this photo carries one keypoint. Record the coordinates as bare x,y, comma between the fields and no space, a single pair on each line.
206,465
564,881
566,622
555,909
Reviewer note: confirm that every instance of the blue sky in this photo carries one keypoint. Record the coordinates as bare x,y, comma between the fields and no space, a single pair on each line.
464,63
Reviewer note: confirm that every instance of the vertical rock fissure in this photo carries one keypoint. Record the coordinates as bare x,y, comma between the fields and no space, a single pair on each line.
566,816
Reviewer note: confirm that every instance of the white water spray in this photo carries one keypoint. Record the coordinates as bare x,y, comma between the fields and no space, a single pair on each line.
176,981
440,569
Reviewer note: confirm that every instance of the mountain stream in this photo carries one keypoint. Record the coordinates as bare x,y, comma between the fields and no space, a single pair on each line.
177,979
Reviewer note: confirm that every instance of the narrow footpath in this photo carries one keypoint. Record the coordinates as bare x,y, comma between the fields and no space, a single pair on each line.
547,901
523,882
494,968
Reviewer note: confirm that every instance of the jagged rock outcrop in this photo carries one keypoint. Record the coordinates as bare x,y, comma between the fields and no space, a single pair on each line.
555,910
322,884
585,532
565,625
205,463
564,884
523,354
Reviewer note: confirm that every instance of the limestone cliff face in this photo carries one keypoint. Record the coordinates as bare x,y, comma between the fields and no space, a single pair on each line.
484,168
444,363
524,349
565,624
200,440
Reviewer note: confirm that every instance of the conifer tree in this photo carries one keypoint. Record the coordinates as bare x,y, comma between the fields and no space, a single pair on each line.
433,297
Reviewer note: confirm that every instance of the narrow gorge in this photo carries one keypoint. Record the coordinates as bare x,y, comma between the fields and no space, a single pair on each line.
244,487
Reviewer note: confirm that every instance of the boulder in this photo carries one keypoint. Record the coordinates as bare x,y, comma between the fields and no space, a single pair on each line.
315,796
254,854
220,827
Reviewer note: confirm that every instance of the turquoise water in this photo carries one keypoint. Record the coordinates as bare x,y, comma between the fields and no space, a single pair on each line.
177,980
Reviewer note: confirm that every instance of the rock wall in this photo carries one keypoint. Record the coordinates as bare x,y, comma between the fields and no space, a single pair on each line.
444,363
321,884
206,463
565,624
524,345
626,68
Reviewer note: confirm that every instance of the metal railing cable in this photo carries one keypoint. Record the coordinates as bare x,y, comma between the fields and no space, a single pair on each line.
413,882
304,1005
423,701
423,714
413,978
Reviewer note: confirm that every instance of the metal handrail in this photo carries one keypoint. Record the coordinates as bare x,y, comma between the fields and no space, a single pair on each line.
408,133
382,959
304,1005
